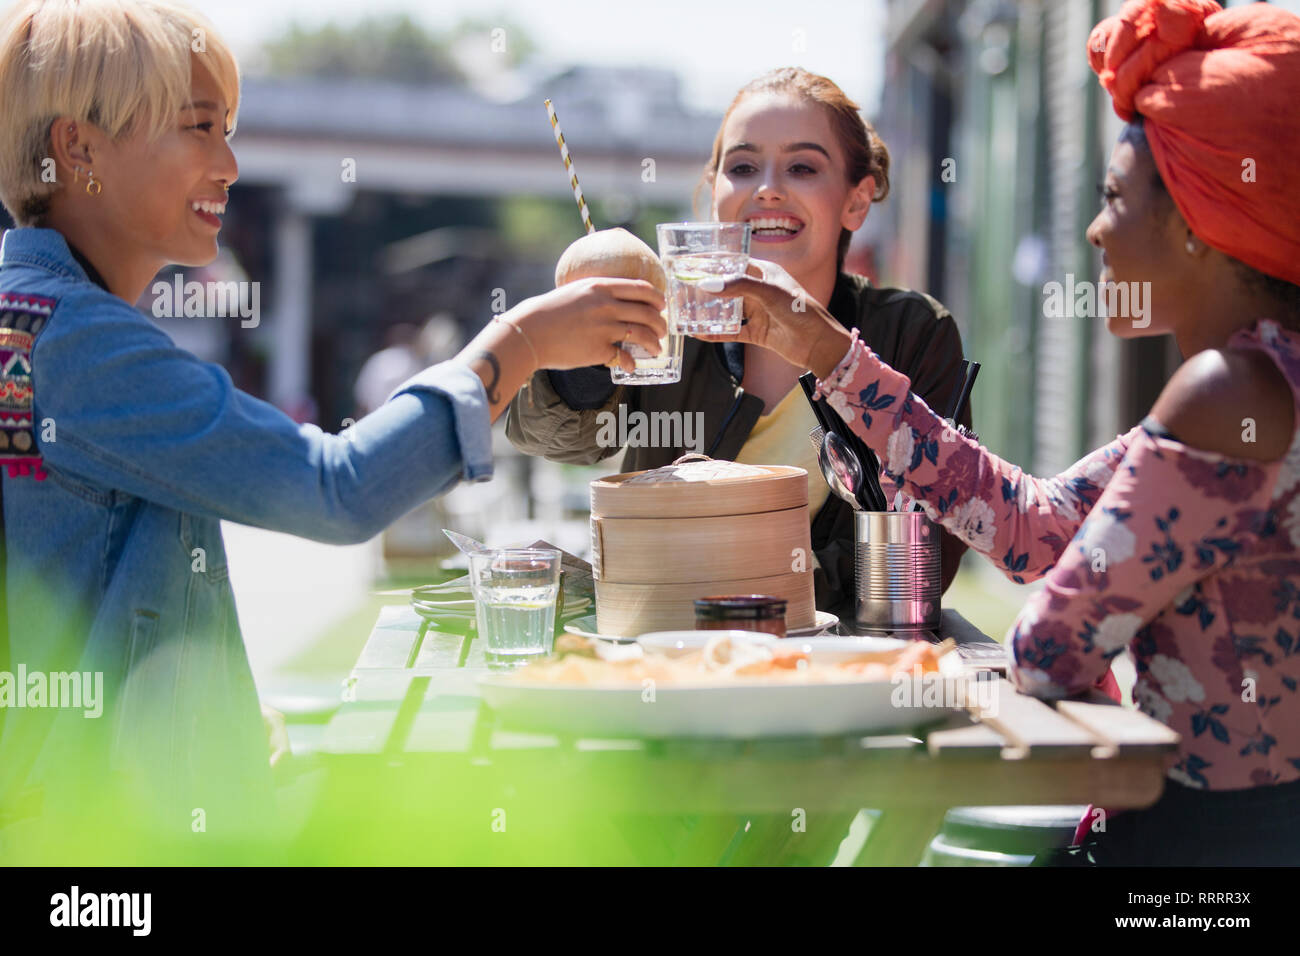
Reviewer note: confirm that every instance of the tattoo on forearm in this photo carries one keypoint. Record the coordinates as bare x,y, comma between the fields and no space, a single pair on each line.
491,386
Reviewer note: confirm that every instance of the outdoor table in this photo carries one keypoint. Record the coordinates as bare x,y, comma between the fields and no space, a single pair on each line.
413,697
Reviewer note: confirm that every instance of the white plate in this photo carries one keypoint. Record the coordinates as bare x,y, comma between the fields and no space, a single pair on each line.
677,643
742,711
822,621
585,626
821,649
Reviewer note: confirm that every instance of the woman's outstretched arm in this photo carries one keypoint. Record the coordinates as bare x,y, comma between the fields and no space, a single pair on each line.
1019,522
152,420
564,329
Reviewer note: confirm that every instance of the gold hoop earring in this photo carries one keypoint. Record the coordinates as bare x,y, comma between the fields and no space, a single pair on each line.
93,188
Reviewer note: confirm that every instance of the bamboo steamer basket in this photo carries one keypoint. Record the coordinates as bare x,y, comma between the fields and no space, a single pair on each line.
661,539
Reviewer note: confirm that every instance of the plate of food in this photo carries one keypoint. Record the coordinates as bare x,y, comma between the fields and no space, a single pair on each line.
585,626
820,649
734,685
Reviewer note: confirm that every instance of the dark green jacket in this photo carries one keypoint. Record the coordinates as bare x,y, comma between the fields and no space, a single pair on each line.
556,416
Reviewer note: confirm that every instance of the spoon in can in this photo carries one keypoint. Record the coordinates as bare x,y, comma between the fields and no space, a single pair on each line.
841,469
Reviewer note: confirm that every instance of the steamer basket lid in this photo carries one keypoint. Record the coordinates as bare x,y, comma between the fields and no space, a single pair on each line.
707,469
700,487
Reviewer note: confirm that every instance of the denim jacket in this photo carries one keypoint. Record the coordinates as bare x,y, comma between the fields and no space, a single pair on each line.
116,560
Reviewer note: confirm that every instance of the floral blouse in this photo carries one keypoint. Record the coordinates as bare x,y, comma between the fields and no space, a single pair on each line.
1188,558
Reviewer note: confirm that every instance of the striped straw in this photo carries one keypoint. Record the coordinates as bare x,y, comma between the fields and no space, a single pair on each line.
568,168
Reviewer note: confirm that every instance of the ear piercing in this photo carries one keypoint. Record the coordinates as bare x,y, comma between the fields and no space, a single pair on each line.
92,188
1191,247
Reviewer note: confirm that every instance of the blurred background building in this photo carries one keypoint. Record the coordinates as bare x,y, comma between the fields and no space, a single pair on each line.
368,203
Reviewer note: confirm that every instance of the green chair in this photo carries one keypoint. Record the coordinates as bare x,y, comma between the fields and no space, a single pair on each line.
1001,836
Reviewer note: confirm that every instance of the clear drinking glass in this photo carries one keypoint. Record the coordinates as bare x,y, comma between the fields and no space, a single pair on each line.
662,369
692,251
514,600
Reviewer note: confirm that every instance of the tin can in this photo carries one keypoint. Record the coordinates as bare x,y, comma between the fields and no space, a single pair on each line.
897,562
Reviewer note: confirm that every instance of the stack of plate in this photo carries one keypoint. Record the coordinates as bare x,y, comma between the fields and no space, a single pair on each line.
452,602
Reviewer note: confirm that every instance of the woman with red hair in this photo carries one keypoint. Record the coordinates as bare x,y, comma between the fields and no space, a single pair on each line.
1180,540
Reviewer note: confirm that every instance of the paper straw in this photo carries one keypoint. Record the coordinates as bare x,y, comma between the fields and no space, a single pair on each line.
568,168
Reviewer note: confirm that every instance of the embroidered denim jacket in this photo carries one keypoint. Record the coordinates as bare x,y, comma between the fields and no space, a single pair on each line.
116,561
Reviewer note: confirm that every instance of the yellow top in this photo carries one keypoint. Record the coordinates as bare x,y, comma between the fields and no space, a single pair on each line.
781,438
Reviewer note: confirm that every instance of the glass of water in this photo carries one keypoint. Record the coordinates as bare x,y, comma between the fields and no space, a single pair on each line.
692,251
514,600
662,369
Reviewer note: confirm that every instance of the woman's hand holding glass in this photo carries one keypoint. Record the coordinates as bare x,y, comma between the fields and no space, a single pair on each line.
781,316
583,323
588,321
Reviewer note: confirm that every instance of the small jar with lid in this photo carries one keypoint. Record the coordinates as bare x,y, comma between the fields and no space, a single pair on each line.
741,612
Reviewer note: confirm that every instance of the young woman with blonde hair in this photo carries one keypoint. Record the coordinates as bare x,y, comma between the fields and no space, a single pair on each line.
125,452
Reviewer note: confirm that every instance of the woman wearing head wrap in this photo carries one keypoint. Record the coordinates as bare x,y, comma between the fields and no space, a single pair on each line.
1180,540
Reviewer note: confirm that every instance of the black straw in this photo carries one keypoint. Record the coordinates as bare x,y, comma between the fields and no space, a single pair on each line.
955,398
966,387
809,382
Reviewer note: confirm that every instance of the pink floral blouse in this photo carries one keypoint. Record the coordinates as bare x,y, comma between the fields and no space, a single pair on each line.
1191,559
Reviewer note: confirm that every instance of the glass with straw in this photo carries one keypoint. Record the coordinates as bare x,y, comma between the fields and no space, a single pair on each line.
616,253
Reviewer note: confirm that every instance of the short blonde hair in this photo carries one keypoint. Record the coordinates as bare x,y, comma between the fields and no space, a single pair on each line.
123,65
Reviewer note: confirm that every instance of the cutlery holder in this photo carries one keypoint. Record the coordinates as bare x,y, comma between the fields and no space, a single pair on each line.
898,581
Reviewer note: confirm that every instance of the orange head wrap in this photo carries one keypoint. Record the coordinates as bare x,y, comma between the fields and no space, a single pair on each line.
1219,92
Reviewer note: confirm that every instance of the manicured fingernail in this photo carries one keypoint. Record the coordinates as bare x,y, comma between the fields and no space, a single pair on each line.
711,284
